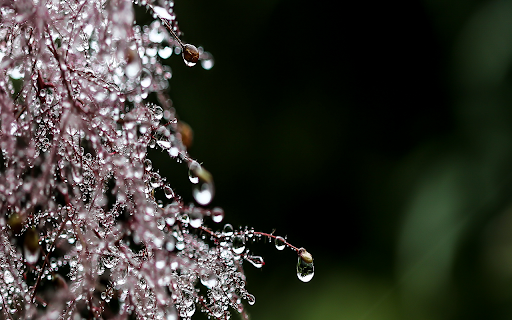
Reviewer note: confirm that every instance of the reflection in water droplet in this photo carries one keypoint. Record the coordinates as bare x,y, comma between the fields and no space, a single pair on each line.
305,271
168,192
190,55
280,243
238,244
227,231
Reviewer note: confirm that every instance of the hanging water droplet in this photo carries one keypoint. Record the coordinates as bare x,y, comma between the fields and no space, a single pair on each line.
145,79
250,299
169,194
203,189
227,231
165,52
238,244
148,164
196,219
193,167
217,214
280,243
209,280
190,55
31,247
305,267
256,261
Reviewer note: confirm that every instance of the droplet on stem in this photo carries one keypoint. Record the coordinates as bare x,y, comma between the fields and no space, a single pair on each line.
280,243
305,267
190,55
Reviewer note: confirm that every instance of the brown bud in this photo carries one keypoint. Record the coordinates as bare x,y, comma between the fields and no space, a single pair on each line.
190,53
305,256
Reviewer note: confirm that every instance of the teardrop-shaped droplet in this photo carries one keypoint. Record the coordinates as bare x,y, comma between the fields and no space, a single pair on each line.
193,168
169,193
238,244
203,192
217,214
196,219
256,261
190,55
250,299
280,243
305,270
227,231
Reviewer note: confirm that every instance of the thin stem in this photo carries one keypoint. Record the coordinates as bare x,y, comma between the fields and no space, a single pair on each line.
168,26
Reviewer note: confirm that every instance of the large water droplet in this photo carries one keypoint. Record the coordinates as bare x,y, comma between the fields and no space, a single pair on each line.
190,55
238,244
280,243
305,270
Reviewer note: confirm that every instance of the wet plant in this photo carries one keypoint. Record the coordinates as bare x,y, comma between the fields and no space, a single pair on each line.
83,96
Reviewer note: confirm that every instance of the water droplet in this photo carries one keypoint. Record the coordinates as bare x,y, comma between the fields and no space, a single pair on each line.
209,280
305,269
256,261
164,144
250,299
217,214
196,219
8,278
190,55
148,164
145,79
207,64
162,13
238,244
165,52
169,193
227,231
203,192
280,243
193,167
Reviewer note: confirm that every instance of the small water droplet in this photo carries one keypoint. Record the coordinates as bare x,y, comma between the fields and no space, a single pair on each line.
250,299
169,193
280,243
256,261
238,244
217,214
193,168
196,219
164,144
227,231
8,278
162,13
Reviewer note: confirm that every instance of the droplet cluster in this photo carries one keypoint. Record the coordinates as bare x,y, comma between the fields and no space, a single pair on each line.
89,227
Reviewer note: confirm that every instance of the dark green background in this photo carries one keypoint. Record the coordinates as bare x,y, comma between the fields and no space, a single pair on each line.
375,134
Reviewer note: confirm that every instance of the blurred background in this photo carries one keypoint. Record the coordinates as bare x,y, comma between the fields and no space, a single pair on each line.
376,134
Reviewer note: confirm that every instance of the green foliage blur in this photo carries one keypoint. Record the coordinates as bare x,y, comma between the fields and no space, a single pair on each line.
376,134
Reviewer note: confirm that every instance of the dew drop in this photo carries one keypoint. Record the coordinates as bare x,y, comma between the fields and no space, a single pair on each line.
162,13
203,192
190,55
164,144
165,52
193,167
238,244
227,231
217,214
196,219
250,299
168,192
207,64
8,278
280,243
305,270
256,261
